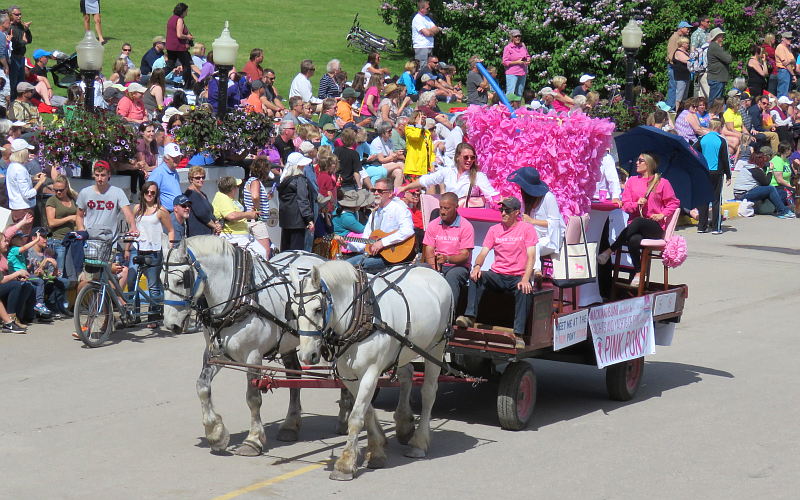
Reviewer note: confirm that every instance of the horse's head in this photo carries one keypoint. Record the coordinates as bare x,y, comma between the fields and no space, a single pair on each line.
182,285
312,307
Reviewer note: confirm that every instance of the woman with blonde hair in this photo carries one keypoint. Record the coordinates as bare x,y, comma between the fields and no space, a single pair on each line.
650,201
201,217
562,102
369,106
118,71
61,212
256,198
407,79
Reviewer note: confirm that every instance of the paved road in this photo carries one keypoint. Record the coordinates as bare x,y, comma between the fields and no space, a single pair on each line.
716,416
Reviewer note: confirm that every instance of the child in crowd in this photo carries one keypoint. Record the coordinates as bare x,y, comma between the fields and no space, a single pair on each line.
45,274
17,262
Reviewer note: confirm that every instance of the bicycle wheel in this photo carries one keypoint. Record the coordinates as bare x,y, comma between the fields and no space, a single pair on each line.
94,314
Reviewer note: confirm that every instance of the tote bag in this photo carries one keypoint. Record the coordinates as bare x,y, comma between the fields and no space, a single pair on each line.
576,263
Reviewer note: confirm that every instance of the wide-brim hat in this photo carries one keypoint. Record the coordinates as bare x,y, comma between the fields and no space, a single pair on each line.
357,198
528,179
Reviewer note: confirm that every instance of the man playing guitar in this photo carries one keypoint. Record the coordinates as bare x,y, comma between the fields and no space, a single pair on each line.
390,215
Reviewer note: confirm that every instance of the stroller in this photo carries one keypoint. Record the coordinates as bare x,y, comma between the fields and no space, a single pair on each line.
65,72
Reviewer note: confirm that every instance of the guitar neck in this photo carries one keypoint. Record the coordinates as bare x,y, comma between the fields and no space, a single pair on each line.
366,241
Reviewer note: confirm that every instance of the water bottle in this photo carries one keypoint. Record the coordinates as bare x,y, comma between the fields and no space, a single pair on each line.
725,215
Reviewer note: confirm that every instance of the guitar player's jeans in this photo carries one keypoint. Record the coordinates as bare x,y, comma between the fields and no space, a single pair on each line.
371,265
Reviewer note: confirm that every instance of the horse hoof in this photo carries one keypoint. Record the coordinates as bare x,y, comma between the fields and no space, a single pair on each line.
405,437
415,453
338,475
248,449
341,428
287,435
376,463
219,438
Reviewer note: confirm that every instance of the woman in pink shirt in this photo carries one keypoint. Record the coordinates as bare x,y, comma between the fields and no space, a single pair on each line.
516,60
131,107
561,102
650,201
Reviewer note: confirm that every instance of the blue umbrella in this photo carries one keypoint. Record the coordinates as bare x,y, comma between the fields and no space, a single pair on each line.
684,168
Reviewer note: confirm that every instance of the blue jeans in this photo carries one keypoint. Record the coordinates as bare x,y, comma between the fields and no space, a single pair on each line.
60,252
767,192
371,265
457,277
784,82
16,66
501,283
515,84
153,275
671,87
715,89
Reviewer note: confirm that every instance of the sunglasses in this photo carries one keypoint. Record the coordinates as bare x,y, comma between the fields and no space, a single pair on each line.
185,205
126,50
151,193
506,210
468,157
199,178
380,191
59,190
639,160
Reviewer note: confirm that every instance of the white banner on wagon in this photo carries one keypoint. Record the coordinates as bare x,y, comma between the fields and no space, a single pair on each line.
570,329
622,330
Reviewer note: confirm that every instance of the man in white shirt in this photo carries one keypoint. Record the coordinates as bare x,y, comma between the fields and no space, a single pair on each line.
423,29
21,191
391,214
453,139
301,85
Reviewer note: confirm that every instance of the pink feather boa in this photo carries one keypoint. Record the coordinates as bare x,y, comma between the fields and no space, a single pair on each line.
566,150
675,251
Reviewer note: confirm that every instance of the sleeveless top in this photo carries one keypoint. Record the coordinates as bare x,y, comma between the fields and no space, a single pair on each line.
263,201
149,100
150,232
173,42
755,80
680,69
558,105
684,128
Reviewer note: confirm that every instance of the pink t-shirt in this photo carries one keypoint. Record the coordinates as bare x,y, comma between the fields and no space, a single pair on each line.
661,201
510,247
450,240
372,91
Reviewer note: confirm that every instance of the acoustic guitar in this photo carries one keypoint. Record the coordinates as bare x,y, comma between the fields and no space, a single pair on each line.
393,254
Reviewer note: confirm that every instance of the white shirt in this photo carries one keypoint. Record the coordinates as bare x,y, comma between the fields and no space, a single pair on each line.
20,190
609,178
302,86
418,40
366,71
459,184
780,122
393,217
454,138
549,237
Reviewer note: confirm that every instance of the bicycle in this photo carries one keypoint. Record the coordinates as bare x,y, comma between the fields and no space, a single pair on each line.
97,302
368,41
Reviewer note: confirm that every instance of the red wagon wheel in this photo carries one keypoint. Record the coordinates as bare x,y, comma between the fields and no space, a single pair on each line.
623,379
516,396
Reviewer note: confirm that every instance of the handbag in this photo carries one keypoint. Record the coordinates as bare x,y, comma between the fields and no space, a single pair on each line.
576,263
470,201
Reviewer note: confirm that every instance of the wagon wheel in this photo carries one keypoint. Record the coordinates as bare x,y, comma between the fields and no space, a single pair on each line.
623,379
516,396
94,315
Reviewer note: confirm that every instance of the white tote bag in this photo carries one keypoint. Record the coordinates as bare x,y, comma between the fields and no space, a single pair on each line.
576,263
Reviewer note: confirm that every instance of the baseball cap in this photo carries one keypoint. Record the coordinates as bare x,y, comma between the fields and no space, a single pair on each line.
546,91
29,63
512,203
136,87
684,24
427,77
38,230
784,100
24,87
512,97
350,92
19,145
514,33
663,106
19,124
785,34
172,150
306,147
169,113
181,199
330,126
158,39
39,53
586,78
297,159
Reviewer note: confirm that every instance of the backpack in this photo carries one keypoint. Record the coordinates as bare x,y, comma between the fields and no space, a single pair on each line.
698,59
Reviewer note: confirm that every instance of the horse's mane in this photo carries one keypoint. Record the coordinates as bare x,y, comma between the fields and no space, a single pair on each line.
209,245
335,272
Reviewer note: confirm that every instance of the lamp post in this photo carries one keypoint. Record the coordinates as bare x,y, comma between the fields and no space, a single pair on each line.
631,42
90,62
225,50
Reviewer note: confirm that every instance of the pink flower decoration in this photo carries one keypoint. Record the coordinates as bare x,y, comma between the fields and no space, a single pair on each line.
675,251
566,150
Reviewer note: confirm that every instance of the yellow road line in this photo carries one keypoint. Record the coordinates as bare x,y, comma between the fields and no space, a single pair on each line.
268,482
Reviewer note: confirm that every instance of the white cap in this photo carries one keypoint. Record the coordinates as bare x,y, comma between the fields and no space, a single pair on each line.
784,100
136,87
172,150
547,91
297,159
19,145
534,105
169,113
586,78
19,124
306,147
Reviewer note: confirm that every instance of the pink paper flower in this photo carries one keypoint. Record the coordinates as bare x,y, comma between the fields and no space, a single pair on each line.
675,251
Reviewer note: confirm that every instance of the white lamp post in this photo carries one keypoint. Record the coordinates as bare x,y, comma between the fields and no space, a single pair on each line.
631,42
225,50
90,62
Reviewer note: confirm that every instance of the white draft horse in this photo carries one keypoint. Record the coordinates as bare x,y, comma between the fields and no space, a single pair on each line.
207,267
413,301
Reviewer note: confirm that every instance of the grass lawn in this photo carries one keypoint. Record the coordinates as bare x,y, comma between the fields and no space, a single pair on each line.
288,32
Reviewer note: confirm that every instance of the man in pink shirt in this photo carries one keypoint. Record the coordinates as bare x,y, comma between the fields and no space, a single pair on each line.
514,245
448,243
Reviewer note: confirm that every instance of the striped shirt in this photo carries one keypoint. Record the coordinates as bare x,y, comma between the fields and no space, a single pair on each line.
263,211
328,87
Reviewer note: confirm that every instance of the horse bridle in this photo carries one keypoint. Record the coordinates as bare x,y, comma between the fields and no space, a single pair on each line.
187,300
327,304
